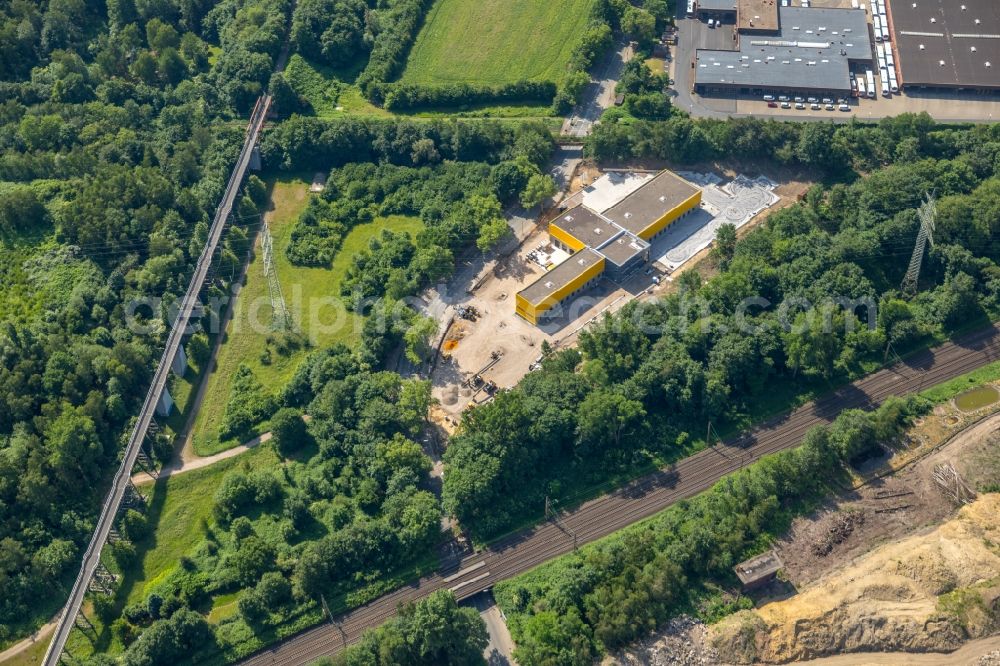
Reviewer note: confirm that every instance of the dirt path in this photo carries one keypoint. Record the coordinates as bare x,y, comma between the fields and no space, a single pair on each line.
186,459
44,633
182,464
968,654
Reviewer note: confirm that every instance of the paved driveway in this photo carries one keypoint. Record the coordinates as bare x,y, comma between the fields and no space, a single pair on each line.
599,93
500,651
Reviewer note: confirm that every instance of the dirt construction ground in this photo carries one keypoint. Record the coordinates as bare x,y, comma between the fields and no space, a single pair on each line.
871,573
500,346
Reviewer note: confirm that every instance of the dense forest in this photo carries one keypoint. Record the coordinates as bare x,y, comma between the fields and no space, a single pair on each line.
643,384
621,588
341,517
115,147
119,122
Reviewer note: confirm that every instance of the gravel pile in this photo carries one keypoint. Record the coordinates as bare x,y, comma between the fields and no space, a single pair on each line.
680,642
991,659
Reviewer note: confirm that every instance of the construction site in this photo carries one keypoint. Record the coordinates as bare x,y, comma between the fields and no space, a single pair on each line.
488,341
888,571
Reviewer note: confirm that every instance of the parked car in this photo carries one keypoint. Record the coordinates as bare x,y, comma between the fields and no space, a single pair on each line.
828,107
799,99
800,105
773,105
711,23
827,100
814,106
811,100
782,98
768,98
845,107
786,105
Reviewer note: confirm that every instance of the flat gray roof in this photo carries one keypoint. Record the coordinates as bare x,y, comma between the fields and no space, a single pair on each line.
947,43
587,226
842,32
650,202
771,67
546,285
717,5
622,249
761,566
809,50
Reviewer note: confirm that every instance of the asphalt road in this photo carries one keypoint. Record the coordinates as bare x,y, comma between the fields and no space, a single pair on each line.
645,496
500,651
599,93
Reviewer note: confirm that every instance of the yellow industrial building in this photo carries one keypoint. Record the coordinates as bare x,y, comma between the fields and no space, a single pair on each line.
612,242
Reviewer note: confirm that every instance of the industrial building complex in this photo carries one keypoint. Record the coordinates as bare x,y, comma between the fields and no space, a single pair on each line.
947,43
844,52
607,234
794,49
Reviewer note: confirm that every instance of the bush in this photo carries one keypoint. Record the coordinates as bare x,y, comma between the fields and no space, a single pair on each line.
249,404
407,97
239,490
288,431
170,641
400,24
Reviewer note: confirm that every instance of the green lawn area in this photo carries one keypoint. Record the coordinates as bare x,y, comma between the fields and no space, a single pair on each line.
312,295
327,90
330,96
179,509
496,41
32,656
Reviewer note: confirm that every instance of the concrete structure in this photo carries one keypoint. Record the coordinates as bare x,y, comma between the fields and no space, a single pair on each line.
805,50
613,242
947,43
717,9
758,571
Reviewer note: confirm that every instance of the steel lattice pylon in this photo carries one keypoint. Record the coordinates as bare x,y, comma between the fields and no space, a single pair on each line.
925,235
282,319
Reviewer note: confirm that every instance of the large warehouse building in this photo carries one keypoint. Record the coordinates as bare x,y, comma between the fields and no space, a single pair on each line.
947,43
606,238
797,50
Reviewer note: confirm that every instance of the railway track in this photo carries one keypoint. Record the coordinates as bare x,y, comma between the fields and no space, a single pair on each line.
646,496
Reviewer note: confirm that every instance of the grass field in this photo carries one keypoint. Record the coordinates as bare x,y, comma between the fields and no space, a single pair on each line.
496,41
302,287
330,96
31,656
327,91
179,508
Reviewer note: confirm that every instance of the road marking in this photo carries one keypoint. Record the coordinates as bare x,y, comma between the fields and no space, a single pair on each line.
478,578
477,565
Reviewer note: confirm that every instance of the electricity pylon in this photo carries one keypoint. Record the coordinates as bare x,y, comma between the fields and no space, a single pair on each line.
281,318
925,235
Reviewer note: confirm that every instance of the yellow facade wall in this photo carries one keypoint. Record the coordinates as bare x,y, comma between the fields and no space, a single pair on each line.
567,238
532,311
670,217
526,310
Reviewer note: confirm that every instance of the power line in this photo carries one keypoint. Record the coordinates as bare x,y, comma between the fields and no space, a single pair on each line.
926,213
281,318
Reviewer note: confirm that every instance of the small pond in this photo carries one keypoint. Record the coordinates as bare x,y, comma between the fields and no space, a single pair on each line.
984,396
